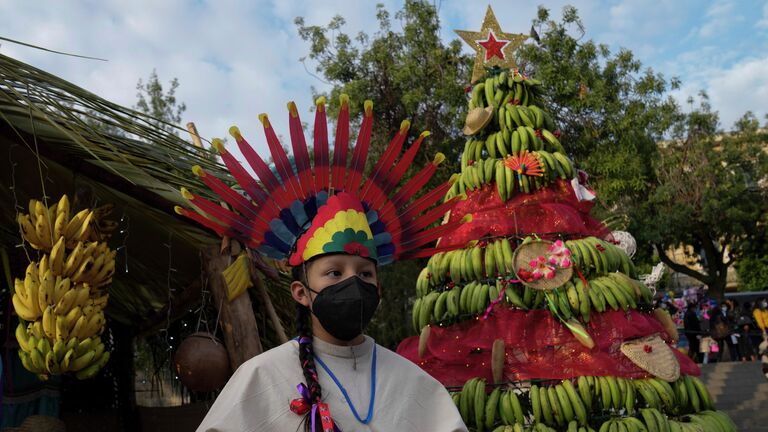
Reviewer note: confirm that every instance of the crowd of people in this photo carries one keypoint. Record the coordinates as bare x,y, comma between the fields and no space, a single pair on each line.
725,331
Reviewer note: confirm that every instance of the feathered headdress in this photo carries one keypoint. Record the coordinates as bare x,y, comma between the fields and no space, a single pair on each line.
301,210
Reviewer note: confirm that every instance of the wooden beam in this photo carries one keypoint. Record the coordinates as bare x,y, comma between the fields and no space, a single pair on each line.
269,308
236,318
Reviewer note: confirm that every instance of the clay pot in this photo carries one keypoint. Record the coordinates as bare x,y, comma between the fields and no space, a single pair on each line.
202,363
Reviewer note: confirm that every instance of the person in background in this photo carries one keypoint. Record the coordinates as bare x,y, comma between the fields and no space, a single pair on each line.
706,347
692,329
721,328
744,344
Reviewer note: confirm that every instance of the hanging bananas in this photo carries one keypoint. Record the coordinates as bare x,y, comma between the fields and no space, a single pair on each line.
62,297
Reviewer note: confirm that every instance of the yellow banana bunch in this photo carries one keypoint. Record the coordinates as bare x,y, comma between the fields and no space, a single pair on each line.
39,355
237,276
59,296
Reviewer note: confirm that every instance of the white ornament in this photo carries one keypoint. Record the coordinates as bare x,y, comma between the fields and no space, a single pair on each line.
627,243
650,280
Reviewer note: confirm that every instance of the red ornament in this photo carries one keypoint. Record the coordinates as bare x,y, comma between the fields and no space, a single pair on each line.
647,348
300,406
467,89
557,133
493,47
537,132
600,247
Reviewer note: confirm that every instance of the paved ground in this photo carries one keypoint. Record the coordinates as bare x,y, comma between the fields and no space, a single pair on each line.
741,390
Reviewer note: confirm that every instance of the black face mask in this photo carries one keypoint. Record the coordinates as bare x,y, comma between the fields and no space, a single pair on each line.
345,308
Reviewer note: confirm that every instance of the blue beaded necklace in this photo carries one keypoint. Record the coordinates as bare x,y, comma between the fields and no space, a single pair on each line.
344,391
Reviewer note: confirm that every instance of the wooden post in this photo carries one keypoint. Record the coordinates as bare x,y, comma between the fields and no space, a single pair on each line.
269,308
195,136
236,318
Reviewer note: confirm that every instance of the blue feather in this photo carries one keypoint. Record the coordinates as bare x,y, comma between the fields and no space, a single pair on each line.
280,231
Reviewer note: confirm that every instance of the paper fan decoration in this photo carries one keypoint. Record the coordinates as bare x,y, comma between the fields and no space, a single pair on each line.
524,163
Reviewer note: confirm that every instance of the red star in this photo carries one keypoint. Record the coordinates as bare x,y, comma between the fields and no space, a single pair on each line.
493,47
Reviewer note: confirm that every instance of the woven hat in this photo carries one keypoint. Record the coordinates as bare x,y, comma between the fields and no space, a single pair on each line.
538,253
653,355
477,119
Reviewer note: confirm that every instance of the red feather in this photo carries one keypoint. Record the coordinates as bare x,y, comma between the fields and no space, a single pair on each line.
237,201
275,200
338,172
243,227
300,153
428,199
361,150
417,182
321,147
432,234
386,160
282,163
394,176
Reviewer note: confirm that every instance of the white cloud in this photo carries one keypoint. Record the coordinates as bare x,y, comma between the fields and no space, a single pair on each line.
720,16
763,23
733,91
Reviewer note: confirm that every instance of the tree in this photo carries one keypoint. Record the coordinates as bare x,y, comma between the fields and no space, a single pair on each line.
611,110
160,105
710,193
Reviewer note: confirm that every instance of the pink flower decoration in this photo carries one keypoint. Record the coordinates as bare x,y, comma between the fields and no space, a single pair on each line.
541,269
559,255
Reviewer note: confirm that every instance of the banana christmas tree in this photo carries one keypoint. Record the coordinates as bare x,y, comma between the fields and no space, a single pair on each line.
539,322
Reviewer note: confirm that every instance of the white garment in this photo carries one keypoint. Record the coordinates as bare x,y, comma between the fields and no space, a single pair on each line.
258,395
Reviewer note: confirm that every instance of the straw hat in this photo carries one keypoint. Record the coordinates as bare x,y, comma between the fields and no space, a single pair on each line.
533,251
477,119
653,355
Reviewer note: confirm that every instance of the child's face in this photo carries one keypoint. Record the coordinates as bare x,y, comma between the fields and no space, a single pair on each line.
331,269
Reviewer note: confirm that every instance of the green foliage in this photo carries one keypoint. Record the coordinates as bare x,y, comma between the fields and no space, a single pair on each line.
391,324
710,193
610,109
753,272
161,105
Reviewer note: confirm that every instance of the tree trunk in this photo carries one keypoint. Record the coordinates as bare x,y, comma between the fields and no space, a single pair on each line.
719,275
236,318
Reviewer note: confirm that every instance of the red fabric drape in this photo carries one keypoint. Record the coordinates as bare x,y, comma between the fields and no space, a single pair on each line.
550,211
537,347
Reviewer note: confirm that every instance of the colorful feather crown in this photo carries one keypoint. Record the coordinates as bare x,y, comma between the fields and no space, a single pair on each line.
304,210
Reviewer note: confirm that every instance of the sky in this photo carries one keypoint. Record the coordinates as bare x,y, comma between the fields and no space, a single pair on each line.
235,59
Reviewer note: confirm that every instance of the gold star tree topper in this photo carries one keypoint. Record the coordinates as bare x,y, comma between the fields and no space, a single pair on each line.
494,47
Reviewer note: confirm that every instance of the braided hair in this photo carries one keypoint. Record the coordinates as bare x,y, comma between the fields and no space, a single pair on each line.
306,352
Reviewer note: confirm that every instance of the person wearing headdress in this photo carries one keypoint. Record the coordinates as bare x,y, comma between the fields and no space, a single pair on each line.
335,226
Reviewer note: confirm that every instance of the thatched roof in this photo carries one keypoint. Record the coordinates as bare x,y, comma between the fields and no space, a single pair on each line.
58,138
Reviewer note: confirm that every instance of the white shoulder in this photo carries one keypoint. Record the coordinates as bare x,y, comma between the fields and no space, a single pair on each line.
259,386
404,366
